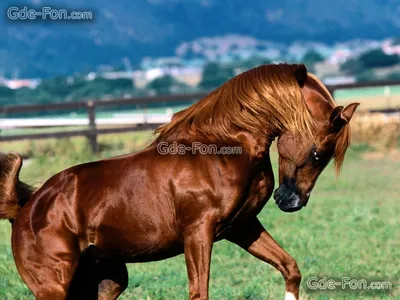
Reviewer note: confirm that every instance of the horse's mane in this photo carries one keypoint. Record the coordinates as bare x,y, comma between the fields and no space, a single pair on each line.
258,101
344,136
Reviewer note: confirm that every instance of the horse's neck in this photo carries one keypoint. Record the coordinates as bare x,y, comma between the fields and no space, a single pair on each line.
256,148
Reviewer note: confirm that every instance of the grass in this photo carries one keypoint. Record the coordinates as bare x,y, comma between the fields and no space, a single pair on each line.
372,102
377,130
370,98
366,92
349,228
78,147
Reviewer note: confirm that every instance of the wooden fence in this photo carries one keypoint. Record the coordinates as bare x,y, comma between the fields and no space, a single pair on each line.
93,131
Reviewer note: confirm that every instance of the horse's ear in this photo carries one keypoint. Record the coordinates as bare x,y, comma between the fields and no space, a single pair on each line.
341,116
349,110
301,74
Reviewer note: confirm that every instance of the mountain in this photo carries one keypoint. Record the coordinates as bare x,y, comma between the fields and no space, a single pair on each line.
140,28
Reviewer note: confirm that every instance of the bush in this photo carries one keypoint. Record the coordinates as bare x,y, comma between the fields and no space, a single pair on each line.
352,66
312,57
215,75
393,76
164,85
253,62
371,59
377,58
367,75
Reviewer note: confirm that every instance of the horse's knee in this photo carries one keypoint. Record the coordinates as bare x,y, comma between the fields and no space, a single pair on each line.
293,275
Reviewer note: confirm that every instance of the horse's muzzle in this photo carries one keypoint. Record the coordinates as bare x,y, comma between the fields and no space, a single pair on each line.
288,198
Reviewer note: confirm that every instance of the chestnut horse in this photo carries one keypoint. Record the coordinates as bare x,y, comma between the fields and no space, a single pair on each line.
72,237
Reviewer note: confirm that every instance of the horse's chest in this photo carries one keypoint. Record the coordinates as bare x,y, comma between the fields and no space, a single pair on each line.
259,192
252,200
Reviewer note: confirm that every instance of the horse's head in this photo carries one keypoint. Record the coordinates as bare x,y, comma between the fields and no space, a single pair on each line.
301,160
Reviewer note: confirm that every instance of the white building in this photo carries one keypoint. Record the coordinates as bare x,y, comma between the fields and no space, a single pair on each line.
14,84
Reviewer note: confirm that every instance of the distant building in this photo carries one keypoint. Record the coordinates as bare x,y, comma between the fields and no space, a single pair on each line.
20,83
161,62
390,49
327,69
109,75
339,56
339,80
189,75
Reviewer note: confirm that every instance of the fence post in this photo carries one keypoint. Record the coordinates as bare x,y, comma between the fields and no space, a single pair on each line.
92,126
145,113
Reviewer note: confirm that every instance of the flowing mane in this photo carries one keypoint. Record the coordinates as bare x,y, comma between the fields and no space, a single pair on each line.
343,138
260,100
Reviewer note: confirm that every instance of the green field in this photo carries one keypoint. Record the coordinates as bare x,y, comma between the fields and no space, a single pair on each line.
370,98
172,107
365,92
349,228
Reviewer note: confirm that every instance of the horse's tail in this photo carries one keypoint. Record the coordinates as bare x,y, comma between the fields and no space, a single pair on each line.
13,193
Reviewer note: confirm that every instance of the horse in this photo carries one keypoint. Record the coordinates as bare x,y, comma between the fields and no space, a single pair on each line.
72,237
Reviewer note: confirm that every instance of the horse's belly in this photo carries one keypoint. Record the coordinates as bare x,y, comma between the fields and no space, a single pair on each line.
139,237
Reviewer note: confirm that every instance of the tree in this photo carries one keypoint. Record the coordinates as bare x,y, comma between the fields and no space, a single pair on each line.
215,75
312,57
377,58
352,66
165,85
101,87
393,76
254,62
7,96
6,92
367,75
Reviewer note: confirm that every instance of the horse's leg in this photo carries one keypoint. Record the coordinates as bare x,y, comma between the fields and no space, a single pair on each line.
256,240
47,267
197,246
98,278
114,279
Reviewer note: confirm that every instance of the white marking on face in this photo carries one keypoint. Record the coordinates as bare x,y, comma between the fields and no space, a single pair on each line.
309,193
290,296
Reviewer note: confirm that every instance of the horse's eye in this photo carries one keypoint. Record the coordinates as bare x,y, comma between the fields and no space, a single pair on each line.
315,154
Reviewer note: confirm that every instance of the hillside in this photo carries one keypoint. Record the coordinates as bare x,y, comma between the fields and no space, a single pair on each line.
140,28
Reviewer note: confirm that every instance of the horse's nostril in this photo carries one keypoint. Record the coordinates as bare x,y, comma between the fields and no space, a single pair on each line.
278,195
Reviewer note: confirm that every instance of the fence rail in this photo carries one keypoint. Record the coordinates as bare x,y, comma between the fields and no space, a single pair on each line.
92,132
